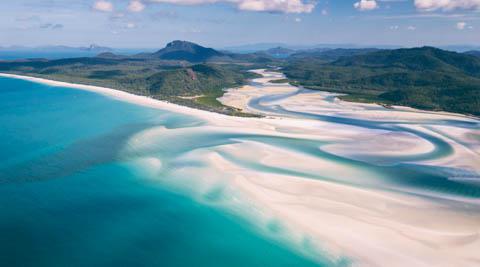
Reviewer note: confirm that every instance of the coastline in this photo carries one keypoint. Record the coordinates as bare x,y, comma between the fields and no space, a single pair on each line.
161,104
412,225
113,93
241,100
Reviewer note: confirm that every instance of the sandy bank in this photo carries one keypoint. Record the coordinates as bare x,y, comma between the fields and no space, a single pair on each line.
374,227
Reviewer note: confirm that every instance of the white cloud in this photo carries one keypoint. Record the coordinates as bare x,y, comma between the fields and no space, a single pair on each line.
461,25
411,28
104,6
131,25
283,6
136,6
298,20
364,5
431,5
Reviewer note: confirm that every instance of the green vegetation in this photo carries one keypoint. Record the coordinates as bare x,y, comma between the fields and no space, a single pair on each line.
188,74
182,50
210,100
426,78
473,53
279,81
328,55
177,81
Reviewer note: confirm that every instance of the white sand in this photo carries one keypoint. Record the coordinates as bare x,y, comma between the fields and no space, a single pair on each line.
374,227
116,94
363,142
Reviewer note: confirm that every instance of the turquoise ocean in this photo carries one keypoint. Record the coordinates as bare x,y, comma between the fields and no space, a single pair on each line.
68,197
77,186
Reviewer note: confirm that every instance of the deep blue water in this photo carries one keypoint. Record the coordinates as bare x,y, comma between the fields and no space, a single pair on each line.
67,198
58,53
12,55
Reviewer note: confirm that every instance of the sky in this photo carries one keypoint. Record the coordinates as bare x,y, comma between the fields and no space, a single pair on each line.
224,23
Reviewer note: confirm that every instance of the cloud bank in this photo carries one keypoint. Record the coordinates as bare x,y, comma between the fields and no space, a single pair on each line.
365,5
432,5
104,6
282,6
461,25
135,6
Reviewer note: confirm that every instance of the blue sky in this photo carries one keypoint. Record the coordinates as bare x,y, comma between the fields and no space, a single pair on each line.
222,23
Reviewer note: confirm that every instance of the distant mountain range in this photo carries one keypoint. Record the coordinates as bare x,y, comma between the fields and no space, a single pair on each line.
50,52
473,53
459,48
58,52
184,50
191,52
59,48
251,48
331,54
279,52
426,77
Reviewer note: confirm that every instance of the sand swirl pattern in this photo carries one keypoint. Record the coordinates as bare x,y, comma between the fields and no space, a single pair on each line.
338,183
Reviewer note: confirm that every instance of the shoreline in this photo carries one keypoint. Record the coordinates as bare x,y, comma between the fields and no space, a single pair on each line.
345,220
116,94
333,93
162,104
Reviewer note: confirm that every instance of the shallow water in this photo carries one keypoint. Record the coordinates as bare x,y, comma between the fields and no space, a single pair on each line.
401,172
90,181
70,197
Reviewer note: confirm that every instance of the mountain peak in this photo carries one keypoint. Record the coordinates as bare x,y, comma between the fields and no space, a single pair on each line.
184,50
96,48
180,43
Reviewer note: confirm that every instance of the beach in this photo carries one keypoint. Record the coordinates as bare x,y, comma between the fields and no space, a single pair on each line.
353,181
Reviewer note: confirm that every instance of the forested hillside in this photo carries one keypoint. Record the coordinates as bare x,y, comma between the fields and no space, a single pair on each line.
427,78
